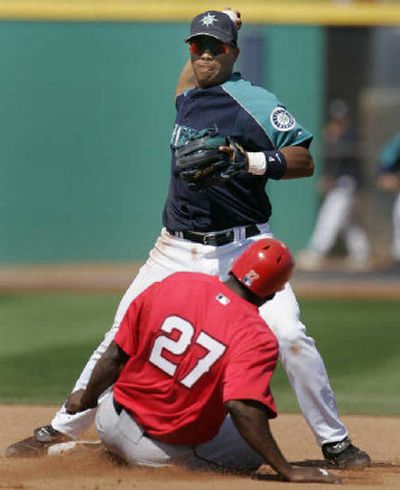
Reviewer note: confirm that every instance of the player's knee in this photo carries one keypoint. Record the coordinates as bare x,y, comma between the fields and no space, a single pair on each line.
295,343
282,314
286,326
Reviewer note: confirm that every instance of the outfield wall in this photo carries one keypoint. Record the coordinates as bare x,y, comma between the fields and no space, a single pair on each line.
85,120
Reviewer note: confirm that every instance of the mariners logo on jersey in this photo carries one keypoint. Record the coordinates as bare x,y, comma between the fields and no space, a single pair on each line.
282,120
208,20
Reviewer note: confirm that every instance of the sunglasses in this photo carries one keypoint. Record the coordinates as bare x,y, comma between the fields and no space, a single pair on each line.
215,47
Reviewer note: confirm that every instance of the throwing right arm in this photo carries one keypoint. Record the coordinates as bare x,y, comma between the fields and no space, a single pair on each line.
186,79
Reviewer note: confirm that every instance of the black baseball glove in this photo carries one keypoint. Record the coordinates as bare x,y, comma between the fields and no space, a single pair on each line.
200,163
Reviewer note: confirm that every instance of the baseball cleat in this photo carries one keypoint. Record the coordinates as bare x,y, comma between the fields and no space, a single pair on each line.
343,455
67,447
61,448
38,444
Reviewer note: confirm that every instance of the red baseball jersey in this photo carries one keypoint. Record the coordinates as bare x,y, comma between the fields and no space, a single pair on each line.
193,344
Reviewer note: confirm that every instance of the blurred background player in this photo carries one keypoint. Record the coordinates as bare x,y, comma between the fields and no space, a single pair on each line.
389,181
189,349
339,185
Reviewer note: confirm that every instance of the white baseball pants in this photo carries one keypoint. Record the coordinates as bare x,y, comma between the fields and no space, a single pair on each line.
396,229
334,217
124,437
301,359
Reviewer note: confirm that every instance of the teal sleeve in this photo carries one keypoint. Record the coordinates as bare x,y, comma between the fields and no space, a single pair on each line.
275,120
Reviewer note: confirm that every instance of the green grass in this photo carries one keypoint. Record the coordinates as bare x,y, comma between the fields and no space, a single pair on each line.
359,342
45,339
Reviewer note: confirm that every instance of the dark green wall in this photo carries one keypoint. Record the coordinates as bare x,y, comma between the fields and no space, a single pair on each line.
86,111
295,72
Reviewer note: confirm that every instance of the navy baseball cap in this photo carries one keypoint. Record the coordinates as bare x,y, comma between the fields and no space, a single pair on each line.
215,24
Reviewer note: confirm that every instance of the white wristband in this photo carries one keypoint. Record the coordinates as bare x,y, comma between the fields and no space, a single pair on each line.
257,163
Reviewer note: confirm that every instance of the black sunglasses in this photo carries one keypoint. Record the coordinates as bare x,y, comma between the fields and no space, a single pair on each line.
215,47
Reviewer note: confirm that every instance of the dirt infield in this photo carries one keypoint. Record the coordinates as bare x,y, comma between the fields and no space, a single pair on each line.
90,469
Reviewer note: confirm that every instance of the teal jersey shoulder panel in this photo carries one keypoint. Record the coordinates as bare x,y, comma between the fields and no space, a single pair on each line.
264,107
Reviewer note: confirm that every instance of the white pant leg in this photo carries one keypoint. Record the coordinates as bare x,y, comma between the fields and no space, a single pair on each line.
169,255
357,243
304,367
125,438
396,229
332,218
74,425
300,357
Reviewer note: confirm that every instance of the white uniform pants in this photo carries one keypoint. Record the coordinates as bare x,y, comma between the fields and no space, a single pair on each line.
334,217
124,437
396,229
301,359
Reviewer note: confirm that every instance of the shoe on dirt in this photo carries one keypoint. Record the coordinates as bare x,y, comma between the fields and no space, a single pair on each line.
343,455
36,445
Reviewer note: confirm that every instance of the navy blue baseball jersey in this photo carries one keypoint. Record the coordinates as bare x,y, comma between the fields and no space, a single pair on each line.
255,119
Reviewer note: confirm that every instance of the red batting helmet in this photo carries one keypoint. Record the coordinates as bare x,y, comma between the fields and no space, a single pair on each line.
264,267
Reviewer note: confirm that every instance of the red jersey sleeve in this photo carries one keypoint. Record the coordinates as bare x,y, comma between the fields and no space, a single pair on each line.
251,365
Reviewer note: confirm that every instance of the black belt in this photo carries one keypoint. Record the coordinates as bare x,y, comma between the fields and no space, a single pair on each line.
215,238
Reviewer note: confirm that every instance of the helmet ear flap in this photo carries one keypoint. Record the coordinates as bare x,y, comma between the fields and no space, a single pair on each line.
264,267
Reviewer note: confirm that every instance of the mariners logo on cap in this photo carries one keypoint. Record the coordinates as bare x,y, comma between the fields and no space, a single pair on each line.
208,20
282,120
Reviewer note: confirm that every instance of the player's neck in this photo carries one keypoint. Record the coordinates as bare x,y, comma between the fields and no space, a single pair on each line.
237,287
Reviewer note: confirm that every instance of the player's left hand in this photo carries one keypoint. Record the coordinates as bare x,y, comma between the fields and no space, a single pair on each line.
312,475
301,474
236,154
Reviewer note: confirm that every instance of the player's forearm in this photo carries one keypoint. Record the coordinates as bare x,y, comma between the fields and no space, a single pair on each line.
186,79
299,162
104,374
291,162
252,423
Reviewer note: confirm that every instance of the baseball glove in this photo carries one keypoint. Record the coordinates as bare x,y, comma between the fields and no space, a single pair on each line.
200,163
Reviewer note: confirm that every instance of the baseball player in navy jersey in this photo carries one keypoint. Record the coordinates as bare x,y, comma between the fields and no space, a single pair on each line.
189,349
205,230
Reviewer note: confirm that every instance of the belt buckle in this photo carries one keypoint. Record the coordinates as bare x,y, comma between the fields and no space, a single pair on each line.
212,238
227,236
206,236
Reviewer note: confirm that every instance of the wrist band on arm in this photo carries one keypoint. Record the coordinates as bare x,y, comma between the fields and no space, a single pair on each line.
269,163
